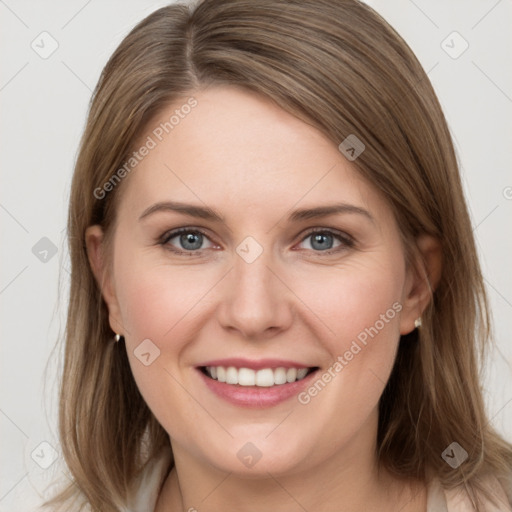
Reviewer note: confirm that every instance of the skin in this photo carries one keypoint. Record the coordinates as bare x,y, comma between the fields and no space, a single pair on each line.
252,162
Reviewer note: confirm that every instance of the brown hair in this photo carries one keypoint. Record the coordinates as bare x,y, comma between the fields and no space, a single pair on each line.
338,65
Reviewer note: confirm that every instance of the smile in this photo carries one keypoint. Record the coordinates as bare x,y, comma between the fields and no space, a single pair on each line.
255,384
265,377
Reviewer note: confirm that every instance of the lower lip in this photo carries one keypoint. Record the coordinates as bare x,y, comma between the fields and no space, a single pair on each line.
254,396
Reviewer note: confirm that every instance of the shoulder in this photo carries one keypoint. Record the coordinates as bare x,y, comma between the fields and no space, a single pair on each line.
458,499
31,495
145,490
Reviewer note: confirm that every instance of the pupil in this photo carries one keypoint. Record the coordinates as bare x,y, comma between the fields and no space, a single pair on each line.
195,239
322,240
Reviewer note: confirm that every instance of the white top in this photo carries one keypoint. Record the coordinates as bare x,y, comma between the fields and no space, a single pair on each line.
146,493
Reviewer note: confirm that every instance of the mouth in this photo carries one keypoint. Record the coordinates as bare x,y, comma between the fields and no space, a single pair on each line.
264,385
263,378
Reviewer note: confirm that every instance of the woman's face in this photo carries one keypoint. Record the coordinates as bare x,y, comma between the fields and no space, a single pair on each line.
288,262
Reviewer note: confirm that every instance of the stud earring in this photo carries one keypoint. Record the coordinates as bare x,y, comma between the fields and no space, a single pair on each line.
117,337
417,323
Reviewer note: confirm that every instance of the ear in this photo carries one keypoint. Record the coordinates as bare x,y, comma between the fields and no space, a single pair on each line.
423,276
94,241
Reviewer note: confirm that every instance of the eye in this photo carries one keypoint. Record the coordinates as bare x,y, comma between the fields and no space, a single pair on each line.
192,241
327,241
186,240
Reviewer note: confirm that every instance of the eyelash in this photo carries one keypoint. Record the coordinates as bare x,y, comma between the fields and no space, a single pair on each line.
347,242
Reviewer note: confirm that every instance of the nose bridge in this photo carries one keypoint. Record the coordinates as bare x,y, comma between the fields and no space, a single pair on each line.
253,279
256,300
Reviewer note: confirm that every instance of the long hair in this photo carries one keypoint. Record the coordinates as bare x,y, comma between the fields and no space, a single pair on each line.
336,64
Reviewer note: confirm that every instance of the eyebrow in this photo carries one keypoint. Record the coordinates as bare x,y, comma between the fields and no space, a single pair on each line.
296,216
187,209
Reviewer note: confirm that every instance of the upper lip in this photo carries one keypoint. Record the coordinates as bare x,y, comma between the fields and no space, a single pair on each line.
255,364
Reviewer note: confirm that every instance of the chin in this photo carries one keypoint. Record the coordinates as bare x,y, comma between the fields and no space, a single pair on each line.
256,457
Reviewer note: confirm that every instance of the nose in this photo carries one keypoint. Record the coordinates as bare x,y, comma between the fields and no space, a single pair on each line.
256,302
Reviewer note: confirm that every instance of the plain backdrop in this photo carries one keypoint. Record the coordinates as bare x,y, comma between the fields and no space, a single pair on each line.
52,56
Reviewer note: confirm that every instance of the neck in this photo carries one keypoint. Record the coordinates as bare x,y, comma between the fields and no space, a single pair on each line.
349,480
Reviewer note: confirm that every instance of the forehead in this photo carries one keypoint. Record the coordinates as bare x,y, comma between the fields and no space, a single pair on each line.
237,151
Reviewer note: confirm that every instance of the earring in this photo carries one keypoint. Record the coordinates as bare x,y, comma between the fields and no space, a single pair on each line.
117,337
417,323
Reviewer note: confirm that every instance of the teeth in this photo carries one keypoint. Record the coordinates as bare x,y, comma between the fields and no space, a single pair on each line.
301,373
246,376
280,376
265,377
231,375
291,375
221,374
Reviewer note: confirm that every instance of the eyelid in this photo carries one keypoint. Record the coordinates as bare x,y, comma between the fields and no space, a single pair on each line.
341,234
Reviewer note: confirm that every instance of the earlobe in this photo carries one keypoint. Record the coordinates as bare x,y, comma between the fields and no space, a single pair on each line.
423,278
94,238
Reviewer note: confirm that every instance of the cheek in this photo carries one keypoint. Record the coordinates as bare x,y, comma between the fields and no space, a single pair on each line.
156,299
356,301
158,302
161,303
360,306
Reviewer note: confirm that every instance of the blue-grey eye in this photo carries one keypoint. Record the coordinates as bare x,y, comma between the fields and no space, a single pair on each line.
324,241
191,241
186,240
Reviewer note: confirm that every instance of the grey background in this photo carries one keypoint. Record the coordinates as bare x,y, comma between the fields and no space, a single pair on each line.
43,108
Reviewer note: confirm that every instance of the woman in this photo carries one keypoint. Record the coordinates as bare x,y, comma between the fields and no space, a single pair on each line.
276,301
